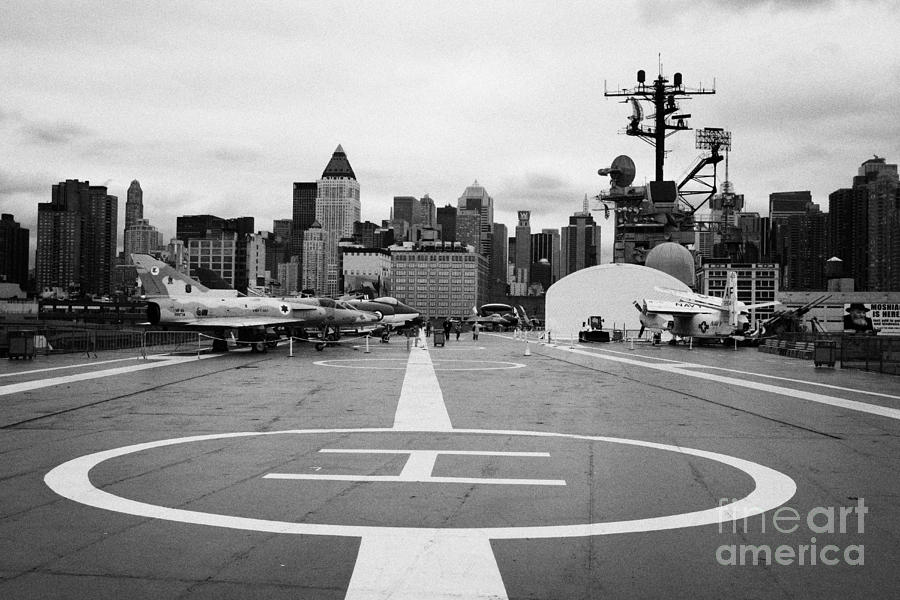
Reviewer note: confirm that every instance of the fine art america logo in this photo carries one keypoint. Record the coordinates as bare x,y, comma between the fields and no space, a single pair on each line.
818,521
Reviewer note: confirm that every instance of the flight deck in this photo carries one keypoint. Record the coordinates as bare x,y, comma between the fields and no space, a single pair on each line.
500,468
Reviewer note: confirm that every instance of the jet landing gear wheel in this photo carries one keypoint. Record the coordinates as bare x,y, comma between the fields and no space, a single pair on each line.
320,346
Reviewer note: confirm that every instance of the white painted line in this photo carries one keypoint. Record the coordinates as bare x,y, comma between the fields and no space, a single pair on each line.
418,469
75,366
421,405
767,376
26,386
362,363
874,409
413,479
418,566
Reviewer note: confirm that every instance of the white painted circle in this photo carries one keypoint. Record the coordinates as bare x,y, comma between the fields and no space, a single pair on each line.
338,363
72,480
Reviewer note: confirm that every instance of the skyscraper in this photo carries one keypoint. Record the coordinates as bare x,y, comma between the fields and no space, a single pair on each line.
863,221
13,251
304,213
337,208
475,198
580,242
134,205
77,238
313,275
446,222
499,259
523,248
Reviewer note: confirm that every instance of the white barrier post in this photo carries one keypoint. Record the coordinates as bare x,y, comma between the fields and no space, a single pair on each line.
367,344
291,346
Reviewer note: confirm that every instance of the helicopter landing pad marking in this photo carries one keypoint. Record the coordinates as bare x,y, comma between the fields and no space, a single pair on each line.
407,563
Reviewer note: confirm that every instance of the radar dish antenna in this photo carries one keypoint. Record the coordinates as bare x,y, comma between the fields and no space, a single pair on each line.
621,171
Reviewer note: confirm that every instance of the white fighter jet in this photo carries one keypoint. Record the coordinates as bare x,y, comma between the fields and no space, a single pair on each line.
699,316
176,300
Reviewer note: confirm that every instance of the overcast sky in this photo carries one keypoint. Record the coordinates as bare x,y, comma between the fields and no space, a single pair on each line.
218,107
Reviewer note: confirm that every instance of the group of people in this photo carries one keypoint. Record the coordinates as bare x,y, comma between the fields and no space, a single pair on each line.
456,328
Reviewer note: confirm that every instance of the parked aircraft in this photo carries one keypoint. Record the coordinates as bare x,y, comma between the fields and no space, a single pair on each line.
175,300
699,316
392,311
495,316
787,320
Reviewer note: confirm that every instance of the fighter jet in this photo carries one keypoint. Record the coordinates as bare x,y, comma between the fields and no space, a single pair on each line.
495,316
176,300
699,316
392,311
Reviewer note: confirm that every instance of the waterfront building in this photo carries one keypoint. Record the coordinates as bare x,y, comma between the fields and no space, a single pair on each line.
440,282
76,243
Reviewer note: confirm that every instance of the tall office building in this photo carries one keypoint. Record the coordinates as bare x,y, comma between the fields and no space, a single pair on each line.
475,198
77,238
13,252
427,216
801,240
215,253
278,247
142,238
523,248
232,265
134,204
445,217
337,209
499,284
313,275
580,243
405,209
784,204
304,213
545,249
468,228
864,220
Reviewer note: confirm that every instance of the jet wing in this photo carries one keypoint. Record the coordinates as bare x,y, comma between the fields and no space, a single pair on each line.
239,322
657,307
713,302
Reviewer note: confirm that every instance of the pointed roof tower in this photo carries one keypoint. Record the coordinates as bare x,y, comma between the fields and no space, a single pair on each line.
338,166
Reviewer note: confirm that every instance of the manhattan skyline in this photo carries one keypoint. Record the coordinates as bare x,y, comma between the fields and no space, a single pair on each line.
219,108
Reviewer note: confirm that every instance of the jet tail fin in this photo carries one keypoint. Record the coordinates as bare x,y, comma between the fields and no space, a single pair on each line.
156,278
730,301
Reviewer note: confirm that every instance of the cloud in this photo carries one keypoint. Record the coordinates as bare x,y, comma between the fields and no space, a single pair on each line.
17,184
234,155
60,133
